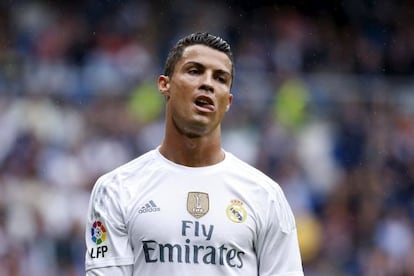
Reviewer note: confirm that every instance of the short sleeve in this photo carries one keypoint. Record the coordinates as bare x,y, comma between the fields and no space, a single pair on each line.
107,241
277,244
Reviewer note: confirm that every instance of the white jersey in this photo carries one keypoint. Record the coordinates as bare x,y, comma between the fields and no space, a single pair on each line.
162,218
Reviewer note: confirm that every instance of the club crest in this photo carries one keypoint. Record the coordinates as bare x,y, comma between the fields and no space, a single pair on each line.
236,211
198,204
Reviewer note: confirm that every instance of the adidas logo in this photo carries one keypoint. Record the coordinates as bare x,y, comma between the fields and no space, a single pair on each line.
149,207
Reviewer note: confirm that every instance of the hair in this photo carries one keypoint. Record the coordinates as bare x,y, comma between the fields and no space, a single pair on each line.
212,41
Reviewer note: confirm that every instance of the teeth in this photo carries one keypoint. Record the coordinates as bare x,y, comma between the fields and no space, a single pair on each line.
202,102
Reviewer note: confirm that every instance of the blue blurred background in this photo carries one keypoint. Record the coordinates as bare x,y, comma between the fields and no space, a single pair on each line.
324,104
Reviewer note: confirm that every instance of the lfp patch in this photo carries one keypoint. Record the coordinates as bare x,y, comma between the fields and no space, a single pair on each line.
98,232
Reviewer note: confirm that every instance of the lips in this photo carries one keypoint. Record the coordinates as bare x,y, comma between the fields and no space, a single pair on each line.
204,103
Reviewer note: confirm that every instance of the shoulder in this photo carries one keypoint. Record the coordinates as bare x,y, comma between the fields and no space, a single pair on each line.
252,175
267,194
116,179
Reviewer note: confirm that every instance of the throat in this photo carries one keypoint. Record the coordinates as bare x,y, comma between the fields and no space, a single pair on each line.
193,154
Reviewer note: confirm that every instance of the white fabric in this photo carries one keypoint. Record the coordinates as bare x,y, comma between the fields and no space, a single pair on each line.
111,271
145,210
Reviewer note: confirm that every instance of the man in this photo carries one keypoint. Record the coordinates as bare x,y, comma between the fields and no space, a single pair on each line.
188,207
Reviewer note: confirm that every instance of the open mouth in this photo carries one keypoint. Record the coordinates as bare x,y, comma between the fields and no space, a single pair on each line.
204,103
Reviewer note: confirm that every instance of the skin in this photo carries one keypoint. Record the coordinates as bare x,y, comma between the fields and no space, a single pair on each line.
193,131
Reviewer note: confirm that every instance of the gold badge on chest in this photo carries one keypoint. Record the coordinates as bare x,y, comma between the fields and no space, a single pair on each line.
198,204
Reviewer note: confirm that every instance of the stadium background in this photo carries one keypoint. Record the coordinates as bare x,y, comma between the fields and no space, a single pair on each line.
324,103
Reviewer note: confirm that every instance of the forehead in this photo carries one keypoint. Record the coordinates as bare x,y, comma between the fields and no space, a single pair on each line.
206,56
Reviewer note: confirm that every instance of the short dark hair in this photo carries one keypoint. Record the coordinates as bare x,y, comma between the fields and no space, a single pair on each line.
204,38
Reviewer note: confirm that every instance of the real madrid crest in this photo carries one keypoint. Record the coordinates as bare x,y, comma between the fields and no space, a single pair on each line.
236,211
197,204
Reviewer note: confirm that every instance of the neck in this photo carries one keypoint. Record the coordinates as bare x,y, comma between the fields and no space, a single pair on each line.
193,152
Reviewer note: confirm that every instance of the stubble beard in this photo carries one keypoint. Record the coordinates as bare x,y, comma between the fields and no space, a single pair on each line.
191,130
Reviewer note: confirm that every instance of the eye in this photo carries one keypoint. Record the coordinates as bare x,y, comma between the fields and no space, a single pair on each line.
193,71
221,79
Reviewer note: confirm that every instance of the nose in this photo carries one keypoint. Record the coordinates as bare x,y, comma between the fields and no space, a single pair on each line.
207,82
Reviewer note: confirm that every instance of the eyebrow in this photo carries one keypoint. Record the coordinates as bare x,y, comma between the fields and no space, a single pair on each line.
200,65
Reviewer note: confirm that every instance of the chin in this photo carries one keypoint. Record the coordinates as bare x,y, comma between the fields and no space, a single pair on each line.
194,127
195,130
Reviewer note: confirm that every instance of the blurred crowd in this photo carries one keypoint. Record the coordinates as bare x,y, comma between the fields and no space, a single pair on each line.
324,104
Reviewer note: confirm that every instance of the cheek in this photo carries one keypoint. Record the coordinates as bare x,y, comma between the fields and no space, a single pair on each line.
225,101
181,89
224,105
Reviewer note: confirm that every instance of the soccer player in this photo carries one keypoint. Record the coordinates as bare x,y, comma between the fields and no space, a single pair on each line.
189,207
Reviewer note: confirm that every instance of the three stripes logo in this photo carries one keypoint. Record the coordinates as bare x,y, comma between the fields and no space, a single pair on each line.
149,207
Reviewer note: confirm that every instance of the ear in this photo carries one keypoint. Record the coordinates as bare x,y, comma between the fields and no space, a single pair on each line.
229,102
164,85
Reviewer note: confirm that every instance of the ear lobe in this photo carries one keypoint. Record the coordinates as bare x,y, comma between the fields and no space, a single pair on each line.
164,85
229,103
